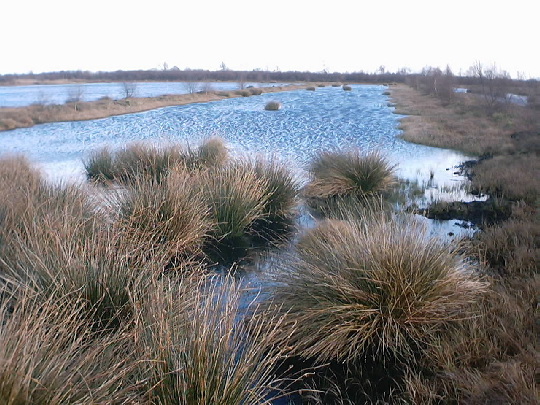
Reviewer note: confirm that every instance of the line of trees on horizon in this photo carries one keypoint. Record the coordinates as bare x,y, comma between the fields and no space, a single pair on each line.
200,75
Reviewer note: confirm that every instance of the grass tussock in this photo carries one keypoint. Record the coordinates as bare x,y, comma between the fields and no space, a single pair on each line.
280,208
349,174
272,106
381,287
49,355
202,352
211,153
151,162
347,88
134,161
236,197
171,215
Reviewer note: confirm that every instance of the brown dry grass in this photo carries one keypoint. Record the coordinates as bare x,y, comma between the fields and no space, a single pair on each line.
464,125
21,117
514,177
494,357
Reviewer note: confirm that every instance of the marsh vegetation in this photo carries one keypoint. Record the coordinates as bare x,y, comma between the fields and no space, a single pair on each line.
129,288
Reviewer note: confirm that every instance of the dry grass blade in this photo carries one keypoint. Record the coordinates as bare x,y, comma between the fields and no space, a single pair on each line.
48,355
202,351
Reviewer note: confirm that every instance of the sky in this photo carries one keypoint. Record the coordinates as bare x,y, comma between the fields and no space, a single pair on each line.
336,36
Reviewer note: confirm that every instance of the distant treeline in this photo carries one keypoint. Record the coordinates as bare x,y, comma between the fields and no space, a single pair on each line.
207,75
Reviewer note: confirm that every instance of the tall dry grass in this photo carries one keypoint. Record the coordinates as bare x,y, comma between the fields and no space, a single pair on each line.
379,287
201,349
49,355
491,358
514,177
349,173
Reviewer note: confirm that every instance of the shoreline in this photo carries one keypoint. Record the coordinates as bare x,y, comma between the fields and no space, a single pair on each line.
28,116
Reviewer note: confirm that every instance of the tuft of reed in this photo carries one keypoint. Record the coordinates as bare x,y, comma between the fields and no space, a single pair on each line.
171,216
349,174
347,87
272,106
202,350
212,152
311,88
49,355
236,197
378,288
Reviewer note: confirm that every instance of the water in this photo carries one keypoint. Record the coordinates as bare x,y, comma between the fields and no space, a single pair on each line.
326,119
20,96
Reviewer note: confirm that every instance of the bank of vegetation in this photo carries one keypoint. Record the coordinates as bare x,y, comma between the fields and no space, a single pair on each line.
497,361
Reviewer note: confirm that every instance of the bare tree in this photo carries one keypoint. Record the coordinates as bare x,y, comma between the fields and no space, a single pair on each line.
129,89
242,80
206,87
493,83
75,94
191,87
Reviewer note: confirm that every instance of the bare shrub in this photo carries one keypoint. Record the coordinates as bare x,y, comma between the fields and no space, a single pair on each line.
129,89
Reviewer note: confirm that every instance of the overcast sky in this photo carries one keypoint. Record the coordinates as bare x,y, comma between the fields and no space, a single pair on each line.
336,35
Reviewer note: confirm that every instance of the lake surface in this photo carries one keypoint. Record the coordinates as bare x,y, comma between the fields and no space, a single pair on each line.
309,121
20,96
